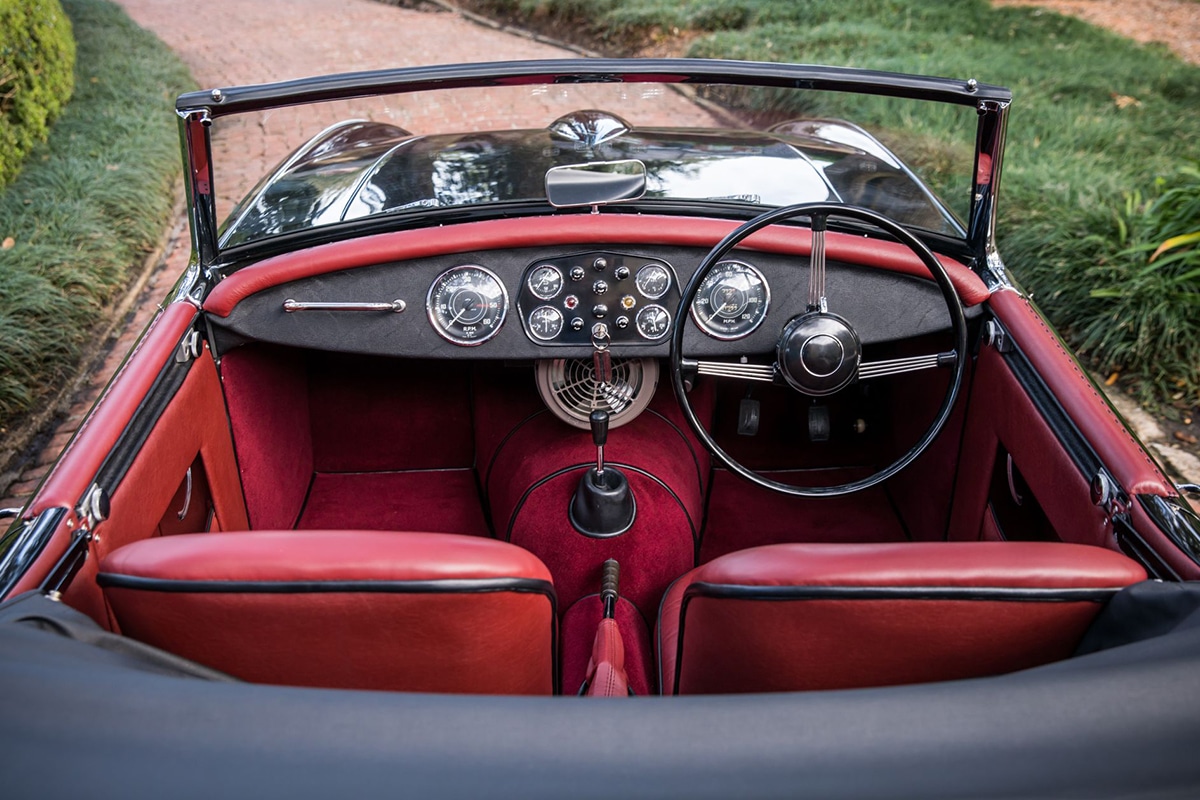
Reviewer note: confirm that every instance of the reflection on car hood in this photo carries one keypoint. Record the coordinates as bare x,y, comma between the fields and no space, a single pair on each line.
359,169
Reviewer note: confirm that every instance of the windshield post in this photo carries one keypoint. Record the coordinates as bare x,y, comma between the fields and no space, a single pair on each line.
194,129
989,153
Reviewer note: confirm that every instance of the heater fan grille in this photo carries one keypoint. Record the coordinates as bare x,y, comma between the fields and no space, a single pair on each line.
569,388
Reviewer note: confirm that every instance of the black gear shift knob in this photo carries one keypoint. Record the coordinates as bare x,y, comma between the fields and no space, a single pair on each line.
603,504
599,422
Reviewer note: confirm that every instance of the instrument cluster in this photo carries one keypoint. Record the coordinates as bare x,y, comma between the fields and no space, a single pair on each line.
584,298
576,299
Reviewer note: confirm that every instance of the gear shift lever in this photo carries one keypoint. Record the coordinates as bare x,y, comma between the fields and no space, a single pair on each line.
599,422
603,504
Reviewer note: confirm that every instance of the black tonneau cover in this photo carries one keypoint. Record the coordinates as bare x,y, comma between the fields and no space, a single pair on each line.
78,720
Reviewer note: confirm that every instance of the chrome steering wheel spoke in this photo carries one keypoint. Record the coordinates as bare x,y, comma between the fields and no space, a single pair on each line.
765,373
816,276
896,366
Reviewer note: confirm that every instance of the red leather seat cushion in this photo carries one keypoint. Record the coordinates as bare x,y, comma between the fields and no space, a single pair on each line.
347,609
811,616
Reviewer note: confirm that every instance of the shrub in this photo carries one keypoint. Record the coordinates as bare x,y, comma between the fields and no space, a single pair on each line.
37,74
1135,306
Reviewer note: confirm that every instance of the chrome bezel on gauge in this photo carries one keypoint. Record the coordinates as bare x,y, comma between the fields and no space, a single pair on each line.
637,322
637,280
539,295
754,325
562,321
435,321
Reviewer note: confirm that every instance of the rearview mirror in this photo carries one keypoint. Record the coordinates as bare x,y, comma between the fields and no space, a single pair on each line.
596,183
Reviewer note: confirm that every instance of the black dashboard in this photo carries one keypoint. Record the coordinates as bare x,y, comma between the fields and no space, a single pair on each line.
534,303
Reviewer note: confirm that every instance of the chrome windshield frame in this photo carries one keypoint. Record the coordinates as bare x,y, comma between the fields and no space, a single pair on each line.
197,110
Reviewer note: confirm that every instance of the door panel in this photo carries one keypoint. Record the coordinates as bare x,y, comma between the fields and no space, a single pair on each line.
143,445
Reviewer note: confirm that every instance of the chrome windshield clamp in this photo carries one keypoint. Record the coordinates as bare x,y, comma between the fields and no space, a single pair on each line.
92,510
1108,496
189,347
94,507
996,337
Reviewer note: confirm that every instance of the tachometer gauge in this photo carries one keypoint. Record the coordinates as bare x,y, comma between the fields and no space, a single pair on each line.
545,322
653,322
467,304
731,301
545,282
653,280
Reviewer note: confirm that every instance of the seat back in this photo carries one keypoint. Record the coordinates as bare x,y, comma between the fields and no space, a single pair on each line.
344,609
822,616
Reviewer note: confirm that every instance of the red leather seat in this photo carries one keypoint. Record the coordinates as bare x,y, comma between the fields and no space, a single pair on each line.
823,616
347,609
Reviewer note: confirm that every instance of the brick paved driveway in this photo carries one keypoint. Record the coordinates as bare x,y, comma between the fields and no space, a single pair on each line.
231,42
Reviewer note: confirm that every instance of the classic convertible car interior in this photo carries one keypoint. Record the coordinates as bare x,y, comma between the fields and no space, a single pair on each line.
604,401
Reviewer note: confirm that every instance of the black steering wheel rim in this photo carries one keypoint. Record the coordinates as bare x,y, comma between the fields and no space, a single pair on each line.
813,210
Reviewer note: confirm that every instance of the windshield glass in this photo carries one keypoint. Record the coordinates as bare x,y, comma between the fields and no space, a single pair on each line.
749,147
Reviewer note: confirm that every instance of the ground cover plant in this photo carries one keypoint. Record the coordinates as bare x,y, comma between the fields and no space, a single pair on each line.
88,203
1101,127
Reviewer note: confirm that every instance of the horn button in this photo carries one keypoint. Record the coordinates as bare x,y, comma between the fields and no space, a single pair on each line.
818,353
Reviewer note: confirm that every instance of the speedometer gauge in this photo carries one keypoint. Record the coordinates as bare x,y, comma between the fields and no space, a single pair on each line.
732,301
466,305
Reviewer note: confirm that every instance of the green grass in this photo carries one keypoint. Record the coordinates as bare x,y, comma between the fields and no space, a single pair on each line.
88,204
1096,119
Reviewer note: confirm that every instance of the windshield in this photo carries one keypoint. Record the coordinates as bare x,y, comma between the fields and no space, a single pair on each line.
749,148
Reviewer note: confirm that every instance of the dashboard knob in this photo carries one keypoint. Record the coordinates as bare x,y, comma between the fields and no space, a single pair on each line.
600,264
577,273
599,287
621,273
600,311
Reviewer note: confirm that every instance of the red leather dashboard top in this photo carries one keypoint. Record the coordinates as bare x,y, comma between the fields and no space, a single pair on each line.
565,230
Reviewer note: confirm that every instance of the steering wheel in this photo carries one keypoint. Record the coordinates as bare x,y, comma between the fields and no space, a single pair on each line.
818,352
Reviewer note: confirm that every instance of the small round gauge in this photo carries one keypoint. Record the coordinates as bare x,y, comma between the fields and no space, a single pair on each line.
545,282
653,321
732,301
466,305
653,280
545,322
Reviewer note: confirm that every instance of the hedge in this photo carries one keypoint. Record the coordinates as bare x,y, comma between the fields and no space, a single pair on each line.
37,75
